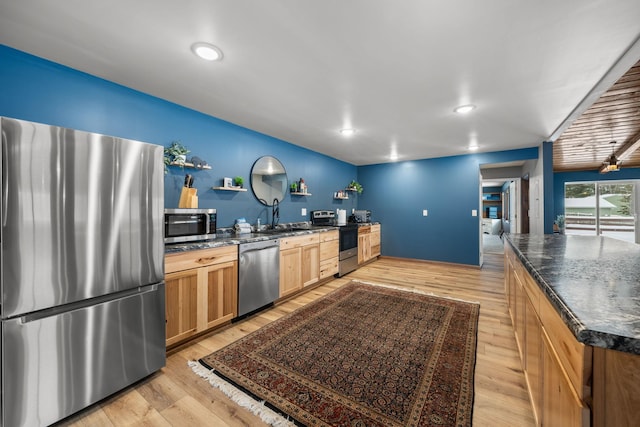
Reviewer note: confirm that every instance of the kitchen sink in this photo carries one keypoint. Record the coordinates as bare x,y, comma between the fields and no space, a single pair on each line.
270,232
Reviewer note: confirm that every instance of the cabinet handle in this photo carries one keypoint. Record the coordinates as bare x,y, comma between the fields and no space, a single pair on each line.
206,260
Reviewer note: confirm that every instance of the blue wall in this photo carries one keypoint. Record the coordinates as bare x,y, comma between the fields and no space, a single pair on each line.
38,90
560,178
447,187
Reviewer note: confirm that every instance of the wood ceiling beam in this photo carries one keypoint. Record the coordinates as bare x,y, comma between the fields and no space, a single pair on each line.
629,148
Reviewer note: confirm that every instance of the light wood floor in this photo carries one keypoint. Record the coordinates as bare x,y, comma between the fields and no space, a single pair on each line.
175,396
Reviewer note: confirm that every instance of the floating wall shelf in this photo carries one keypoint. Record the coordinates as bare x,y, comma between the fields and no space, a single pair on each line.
300,194
229,188
189,165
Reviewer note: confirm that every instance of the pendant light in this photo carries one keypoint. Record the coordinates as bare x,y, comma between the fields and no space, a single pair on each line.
612,164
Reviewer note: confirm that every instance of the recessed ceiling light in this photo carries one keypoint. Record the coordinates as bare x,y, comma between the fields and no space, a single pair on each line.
347,131
473,148
463,109
207,51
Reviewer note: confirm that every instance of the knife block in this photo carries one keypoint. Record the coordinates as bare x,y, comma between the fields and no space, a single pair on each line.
188,198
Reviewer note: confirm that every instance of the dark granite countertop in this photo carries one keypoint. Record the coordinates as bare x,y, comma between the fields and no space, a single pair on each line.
592,281
230,238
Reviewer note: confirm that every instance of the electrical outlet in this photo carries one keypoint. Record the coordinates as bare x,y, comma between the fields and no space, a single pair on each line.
303,212
425,212
474,212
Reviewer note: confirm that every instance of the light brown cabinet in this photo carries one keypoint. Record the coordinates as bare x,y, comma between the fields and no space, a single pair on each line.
201,291
556,366
368,242
560,405
375,240
569,383
329,253
299,262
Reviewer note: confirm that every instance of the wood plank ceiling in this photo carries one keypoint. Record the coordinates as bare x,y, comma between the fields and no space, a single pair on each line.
615,116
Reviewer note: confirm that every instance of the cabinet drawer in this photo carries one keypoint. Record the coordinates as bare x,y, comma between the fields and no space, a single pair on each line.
328,235
375,228
329,249
298,241
328,267
200,258
574,357
365,229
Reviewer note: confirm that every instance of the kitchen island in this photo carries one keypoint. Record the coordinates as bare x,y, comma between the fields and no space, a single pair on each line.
575,306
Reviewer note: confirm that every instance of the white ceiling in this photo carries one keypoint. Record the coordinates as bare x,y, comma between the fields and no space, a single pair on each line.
300,70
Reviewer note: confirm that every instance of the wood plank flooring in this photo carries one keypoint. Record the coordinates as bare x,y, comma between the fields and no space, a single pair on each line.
175,396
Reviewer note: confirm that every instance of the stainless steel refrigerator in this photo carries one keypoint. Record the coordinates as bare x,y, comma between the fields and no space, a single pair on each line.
82,286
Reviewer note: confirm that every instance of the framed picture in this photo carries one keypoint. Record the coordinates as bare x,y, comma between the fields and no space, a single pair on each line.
227,182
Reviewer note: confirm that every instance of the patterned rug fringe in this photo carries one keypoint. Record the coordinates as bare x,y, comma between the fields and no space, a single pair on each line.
415,291
257,408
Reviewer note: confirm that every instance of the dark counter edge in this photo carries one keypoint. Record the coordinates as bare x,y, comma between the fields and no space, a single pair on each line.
579,330
237,239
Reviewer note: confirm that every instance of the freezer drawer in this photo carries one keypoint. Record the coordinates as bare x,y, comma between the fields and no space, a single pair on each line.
56,365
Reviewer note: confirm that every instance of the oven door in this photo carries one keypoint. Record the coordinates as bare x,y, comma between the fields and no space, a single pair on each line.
348,237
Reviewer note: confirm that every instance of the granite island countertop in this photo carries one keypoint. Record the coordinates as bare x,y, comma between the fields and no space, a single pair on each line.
592,281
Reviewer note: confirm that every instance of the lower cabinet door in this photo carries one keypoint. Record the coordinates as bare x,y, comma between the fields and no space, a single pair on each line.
182,305
290,271
310,264
560,406
533,358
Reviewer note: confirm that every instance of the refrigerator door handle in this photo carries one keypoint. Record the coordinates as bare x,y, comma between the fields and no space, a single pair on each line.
60,309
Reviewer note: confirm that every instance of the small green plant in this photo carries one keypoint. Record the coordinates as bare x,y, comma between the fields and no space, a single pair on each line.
355,186
238,180
559,222
174,153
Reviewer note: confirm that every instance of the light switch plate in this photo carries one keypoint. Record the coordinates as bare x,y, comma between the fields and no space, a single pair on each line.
303,211
474,212
425,212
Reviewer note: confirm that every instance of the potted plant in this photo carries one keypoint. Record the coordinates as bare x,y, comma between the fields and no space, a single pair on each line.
355,186
175,153
238,181
560,223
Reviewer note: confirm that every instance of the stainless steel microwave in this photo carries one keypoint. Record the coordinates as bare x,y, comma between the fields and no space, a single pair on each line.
189,225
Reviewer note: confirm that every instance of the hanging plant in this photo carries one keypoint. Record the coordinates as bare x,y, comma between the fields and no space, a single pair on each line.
355,186
175,153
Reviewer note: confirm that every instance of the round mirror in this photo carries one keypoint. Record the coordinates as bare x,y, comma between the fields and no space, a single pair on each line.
269,180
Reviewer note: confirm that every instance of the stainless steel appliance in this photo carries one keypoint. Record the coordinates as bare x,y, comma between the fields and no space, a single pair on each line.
348,259
189,225
323,218
348,234
258,275
82,310
362,216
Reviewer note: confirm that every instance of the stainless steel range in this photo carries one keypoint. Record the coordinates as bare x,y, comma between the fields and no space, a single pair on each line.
348,260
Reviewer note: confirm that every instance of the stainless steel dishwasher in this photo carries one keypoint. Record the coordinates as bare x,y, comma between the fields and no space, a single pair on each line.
258,275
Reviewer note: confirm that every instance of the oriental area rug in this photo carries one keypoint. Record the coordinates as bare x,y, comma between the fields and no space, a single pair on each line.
363,355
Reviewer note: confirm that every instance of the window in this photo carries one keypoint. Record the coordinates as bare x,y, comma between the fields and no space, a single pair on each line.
602,208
